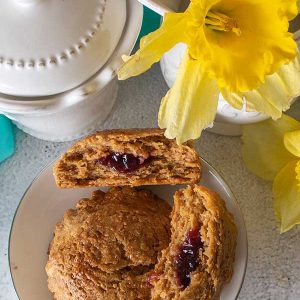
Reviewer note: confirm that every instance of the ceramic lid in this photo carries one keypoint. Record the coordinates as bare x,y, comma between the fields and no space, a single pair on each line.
50,46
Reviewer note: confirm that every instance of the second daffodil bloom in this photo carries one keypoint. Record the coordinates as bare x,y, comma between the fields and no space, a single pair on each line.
271,150
240,48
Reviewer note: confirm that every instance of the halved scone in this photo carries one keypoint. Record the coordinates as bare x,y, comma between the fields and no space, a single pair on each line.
131,157
200,257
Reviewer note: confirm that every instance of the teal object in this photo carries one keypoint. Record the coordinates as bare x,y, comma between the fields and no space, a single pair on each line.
151,21
7,143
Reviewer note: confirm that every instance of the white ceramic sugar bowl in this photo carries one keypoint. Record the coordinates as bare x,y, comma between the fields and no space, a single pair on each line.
58,62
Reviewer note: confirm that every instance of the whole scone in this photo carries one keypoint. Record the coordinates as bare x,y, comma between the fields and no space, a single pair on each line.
105,248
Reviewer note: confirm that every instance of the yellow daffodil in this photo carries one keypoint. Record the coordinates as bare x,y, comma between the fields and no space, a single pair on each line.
271,150
241,48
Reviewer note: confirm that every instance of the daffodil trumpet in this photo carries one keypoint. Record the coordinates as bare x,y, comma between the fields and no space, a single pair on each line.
240,48
271,150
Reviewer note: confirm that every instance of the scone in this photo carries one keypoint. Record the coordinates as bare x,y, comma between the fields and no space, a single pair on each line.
200,257
130,157
105,248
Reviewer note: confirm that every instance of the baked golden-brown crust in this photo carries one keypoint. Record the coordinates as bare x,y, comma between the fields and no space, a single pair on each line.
105,248
167,162
197,208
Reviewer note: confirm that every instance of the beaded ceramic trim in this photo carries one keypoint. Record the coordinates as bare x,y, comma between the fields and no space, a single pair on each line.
65,55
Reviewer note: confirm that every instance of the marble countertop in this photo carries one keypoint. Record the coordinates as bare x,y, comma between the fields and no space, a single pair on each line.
273,267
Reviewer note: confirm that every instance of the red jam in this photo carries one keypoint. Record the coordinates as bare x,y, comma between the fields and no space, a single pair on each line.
123,162
187,259
152,277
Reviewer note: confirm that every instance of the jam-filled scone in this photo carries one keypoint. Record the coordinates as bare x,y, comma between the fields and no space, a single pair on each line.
200,256
105,248
130,157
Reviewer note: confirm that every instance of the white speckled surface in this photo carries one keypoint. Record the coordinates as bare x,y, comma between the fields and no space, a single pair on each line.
274,260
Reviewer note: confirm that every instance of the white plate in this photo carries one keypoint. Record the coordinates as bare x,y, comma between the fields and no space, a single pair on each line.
43,205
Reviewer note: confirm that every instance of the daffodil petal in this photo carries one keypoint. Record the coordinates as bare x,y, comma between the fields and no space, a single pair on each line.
191,104
290,8
287,197
154,45
234,99
298,173
270,98
263,150
278,91
292,142
289,74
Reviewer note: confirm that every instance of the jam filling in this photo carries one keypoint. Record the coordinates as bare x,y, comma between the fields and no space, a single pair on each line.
187,259
123,162
152,277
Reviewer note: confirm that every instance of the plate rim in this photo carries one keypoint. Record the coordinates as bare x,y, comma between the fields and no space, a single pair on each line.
202,161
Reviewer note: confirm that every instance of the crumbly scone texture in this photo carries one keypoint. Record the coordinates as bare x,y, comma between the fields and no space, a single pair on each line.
198,207
170,163
105,248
